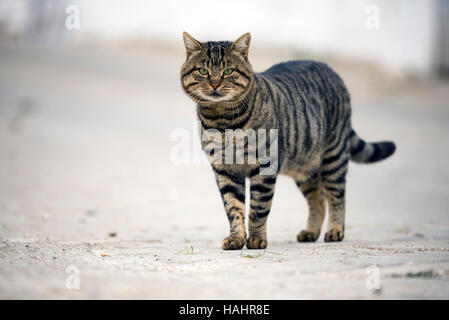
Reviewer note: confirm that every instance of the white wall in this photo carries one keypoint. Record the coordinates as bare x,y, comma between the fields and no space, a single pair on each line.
404,41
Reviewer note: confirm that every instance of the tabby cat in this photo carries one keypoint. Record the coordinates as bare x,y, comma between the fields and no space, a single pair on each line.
308,106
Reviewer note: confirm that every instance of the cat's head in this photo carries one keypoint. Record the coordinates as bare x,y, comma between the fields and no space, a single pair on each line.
216,72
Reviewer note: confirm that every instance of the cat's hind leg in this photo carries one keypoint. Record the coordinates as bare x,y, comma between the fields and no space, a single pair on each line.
316,200
333,175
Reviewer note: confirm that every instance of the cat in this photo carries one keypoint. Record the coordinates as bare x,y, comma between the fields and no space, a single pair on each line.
306,104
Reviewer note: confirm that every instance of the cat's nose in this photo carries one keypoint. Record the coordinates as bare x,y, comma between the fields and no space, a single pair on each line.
215,83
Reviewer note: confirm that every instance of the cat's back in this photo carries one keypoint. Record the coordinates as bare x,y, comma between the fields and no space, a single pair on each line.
305,73
311,100
307,77
291,67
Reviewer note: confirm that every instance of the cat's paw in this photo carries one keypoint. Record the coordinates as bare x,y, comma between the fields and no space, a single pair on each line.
256,243
334,234
233,243
307,236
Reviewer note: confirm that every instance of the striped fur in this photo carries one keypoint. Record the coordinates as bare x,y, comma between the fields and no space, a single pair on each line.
309,105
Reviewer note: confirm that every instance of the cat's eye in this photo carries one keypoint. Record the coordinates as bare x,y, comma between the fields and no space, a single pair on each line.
203,71
227,72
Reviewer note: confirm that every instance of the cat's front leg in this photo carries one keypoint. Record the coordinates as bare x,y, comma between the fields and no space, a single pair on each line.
262,191
232,189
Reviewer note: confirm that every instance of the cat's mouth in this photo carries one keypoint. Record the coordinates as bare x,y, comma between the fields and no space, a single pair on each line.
215,94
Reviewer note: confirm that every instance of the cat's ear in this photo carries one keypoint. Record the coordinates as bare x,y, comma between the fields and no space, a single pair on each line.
241,45
191,43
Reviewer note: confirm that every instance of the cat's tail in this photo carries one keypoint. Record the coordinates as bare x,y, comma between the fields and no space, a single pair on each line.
365,152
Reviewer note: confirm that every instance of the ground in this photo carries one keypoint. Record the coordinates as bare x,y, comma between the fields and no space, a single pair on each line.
88,187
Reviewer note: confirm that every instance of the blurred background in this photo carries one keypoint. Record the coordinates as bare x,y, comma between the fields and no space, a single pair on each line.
406,36
90,97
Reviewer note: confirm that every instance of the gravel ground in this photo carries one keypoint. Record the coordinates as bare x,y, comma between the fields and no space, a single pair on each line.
88,190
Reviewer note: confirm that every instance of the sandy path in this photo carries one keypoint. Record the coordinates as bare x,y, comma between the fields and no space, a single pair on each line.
84,151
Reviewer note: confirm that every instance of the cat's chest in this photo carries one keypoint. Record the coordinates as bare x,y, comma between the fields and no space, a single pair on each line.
230,146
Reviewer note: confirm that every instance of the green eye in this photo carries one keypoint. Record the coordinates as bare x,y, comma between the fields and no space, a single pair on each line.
203,71
227,72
